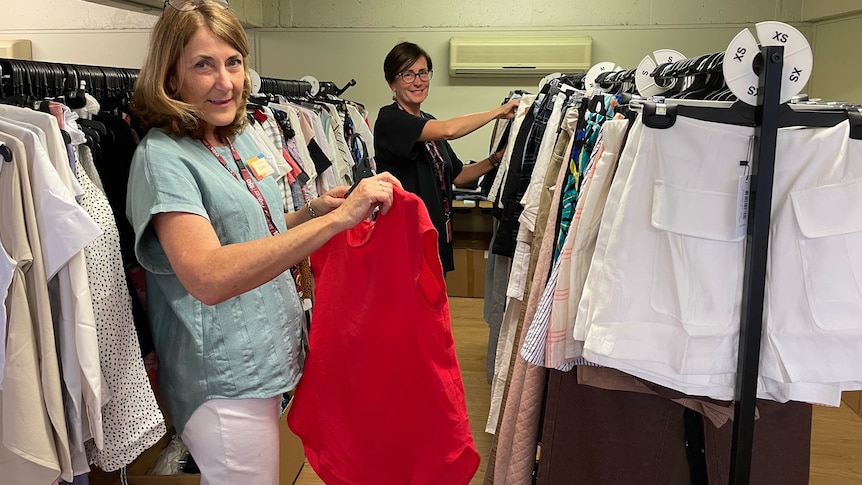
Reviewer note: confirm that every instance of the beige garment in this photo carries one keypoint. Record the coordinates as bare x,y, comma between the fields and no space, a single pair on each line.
506,338
502,362
718,412
514,446
581,241
342,164
34,434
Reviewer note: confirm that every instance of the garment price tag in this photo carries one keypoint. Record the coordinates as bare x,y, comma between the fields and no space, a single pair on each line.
742,205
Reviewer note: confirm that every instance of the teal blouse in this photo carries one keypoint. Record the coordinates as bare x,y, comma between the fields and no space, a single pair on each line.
246,347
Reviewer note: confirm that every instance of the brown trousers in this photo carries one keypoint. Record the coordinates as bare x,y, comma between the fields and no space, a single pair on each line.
595,436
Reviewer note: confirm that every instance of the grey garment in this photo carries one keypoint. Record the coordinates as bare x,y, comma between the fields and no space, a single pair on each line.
497,272
79,480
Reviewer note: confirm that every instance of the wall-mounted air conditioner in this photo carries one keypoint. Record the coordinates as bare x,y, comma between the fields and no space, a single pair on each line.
518,56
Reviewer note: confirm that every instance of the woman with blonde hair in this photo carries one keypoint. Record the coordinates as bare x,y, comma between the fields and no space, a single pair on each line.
211,232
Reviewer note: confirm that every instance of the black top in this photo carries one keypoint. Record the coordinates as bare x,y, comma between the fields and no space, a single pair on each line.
397,150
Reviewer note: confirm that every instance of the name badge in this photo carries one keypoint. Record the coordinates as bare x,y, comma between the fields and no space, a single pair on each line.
260,167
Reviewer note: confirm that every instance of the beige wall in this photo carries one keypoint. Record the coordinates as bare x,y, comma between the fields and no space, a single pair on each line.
837,69
114,48
68,14
813,10
531,13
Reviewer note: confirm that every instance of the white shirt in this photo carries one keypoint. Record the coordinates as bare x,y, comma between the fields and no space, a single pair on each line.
75,325
51,139
35,438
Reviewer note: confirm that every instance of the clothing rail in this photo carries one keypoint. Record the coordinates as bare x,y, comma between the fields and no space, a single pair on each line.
39,80
301,88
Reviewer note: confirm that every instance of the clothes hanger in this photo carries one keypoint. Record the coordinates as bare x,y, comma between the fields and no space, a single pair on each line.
5,152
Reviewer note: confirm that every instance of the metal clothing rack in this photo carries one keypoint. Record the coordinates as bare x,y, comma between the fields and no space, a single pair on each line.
766,119
769,115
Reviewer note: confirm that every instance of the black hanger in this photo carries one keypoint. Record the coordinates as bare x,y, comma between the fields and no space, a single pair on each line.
821,118
339,92
362,169
95,125
92,136
284,122
855,117
5,152
258,99
738,113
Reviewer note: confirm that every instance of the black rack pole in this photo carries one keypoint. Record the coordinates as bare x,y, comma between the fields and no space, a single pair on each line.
756,245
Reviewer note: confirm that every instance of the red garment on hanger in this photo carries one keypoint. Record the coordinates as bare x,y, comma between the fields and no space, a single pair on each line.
381,399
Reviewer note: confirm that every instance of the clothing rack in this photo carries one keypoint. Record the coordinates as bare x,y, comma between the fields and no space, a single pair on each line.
756,251
301,88
39,80
706,78
616,80
766,118
769,115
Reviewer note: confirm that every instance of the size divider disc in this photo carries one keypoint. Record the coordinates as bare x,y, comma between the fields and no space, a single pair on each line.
254,77
315,84
644,81
738,65
798,58
593,73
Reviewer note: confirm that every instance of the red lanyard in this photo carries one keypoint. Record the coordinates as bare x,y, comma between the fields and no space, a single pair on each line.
440,168
247,178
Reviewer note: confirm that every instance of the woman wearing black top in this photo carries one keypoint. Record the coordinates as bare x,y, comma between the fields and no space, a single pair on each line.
413,146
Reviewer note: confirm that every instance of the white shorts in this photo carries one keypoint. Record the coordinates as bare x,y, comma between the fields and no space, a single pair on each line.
663,293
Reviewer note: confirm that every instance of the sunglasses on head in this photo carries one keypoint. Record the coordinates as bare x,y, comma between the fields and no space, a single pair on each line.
188,5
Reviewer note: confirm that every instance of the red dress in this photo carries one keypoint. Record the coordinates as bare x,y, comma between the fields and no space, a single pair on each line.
381,400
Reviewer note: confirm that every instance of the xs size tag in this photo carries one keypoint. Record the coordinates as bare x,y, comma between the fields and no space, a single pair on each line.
260,167
743,195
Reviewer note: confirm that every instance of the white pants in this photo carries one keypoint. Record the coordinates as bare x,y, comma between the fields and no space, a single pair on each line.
235,441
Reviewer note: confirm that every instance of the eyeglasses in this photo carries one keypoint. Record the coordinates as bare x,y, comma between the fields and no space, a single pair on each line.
189,5
410,76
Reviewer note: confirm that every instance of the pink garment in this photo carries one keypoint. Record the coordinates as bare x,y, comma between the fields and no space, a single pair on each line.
517,433
57,110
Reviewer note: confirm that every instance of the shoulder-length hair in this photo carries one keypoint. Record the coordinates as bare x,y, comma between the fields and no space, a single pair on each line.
156,100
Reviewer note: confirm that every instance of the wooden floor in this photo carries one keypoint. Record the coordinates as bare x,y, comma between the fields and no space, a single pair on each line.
836,436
